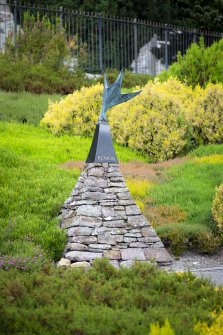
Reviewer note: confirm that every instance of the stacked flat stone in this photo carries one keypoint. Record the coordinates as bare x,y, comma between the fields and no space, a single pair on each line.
102,220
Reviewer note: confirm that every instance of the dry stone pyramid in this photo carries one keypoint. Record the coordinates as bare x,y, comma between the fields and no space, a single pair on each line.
102,220
100,216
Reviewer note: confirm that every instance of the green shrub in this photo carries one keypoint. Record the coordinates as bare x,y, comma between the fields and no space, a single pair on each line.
36,62
104,301
129,80
217,208
199,65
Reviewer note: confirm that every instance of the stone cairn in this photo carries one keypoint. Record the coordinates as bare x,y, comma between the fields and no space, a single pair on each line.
100,216
102,220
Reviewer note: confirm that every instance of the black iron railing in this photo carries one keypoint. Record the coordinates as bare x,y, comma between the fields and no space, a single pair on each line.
110,42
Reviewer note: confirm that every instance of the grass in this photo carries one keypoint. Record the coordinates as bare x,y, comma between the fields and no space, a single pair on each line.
24,107
33,187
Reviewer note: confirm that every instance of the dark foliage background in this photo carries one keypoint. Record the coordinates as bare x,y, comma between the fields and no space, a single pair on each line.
203,14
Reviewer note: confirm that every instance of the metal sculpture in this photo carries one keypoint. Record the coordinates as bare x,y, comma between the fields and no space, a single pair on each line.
112,96
102,149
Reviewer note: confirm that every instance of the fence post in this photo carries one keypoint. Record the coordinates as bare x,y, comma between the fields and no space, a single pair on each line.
166,47
135,46
100,43
61,19
15,21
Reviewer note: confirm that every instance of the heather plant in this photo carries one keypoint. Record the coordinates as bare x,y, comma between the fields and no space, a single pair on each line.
105,300
21,263
217,208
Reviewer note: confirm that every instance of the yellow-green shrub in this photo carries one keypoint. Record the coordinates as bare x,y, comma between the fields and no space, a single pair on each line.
154,122
216,328
217,208
206,115
165,120
166,329
77,113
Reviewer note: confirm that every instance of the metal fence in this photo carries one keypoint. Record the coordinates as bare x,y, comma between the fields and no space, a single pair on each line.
110,42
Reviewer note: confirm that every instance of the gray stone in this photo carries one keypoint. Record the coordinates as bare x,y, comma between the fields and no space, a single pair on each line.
84,239
77,203
107,211
127,264
77,247
125,202
114,174
80,265
79,256
137,221
79,231
114,263
158,255
96,182
148,231
75,192
124,196
135,235
106,238
92,189
86,221
64,263
117,179
115,190
66,222
100,246
132,210
78,186
119,238
157,245
132,254
92,165
138,245
120,214
115,224
89,210
96,172
129,239
117,231
99,231
113,169
117,184
112,254
108,203
148,239
109,196
68,201
119,208
94,196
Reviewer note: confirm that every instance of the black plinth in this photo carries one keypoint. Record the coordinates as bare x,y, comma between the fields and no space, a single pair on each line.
102,149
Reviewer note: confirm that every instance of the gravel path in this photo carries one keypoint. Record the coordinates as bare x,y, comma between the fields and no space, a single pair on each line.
201,265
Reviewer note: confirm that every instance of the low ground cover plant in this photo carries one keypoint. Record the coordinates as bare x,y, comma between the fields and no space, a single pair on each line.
217,209
105,300
166,120
190,188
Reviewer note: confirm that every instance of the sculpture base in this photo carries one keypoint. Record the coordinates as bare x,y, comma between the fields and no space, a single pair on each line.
102,149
